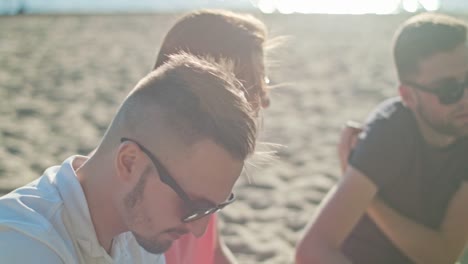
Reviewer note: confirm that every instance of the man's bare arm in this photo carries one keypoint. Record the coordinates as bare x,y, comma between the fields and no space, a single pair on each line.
334,219
423,244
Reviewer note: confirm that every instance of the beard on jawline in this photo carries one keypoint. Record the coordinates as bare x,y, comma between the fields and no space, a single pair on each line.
443,127
152,245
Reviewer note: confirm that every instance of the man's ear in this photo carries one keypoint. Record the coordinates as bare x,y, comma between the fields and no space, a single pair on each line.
407,96
126,160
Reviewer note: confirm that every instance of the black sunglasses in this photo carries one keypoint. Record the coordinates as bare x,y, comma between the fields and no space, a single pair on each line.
448,92
197,209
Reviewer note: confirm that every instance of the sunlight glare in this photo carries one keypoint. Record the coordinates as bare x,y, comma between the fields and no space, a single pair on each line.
344,6
286,6
266,6
410,5
430,5
382,7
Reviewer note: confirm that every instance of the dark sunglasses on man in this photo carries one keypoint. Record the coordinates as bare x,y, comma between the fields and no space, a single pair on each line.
196,209
448,91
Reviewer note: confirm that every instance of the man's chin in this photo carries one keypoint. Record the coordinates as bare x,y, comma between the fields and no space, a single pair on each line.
153,246
157,249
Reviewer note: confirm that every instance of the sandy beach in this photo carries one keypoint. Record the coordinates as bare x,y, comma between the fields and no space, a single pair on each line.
62,78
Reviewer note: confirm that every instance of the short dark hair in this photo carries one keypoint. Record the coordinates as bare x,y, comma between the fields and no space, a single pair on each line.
424,35
192,99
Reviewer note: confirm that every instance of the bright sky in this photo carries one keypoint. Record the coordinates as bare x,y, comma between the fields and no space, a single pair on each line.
345,6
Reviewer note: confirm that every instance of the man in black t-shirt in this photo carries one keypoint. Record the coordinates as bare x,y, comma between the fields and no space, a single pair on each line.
403,197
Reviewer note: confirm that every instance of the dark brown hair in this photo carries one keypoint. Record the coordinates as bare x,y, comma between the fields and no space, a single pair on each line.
222,35
422,36
189,99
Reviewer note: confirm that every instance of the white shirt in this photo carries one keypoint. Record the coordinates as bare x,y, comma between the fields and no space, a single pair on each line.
48,221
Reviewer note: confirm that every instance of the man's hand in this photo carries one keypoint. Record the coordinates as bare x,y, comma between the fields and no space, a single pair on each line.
348,139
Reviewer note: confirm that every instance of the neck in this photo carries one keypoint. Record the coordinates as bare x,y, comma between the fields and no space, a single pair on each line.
96,182
433,137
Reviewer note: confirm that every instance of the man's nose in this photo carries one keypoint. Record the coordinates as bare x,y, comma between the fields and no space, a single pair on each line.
198,227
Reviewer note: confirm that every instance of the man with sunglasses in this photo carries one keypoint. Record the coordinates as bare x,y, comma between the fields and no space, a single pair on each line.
169,158
403,197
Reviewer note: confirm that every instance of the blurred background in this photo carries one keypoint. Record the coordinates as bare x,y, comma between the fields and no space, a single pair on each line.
64,72
264,6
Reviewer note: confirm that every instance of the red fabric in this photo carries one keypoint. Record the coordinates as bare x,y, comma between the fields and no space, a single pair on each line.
191,250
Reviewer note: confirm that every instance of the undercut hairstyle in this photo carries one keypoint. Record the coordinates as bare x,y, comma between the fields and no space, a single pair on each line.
222,35
188,99
422,36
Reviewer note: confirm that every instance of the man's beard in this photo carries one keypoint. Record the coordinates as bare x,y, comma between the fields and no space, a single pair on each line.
444,127
152,245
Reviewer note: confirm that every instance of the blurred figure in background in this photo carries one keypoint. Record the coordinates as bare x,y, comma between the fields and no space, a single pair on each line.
403,195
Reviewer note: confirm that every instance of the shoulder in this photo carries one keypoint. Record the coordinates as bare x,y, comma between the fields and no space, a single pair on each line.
390,112
30,206
391,122
387,142
16,247
390,127
33,212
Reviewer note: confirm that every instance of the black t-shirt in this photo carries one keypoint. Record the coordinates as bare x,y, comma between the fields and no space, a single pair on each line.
413,178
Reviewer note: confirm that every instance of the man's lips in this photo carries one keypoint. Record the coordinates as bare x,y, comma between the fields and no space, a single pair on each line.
176,235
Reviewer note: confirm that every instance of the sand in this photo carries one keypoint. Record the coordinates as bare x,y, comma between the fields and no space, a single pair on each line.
62,78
